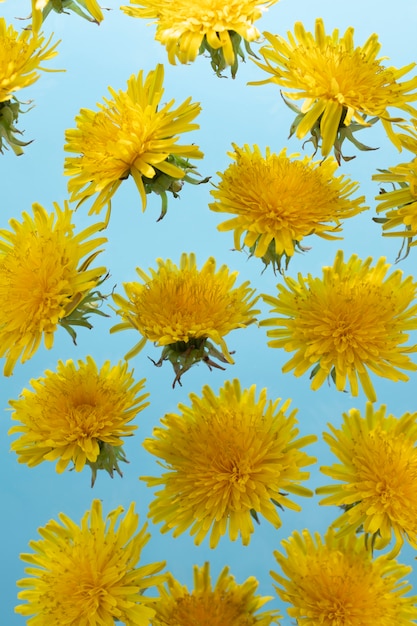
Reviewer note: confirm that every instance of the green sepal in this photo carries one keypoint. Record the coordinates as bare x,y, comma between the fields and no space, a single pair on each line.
108,460
9,114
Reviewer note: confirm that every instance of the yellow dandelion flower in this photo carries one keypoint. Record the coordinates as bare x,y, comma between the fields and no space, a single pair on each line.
340,84
408,138
187,28
279,200
353,319
78,414
229,457
88,574
88,9
186,310
377,465
225,604
45,280
131,134
334,581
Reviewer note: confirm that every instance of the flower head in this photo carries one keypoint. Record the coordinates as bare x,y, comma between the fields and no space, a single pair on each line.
229,457
227,603
340,84
88,9
186,310
88,574
78,414
377,464
278,200
334,581
131,134
188,28
351,320
45,280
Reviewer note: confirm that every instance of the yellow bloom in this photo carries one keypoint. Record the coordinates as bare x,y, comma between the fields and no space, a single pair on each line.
88,574
45,280
229,457
78,414
377,456
227,604
188,28
340,84
184,309
132,134
335,581
408,139
352,320
279,200
88,9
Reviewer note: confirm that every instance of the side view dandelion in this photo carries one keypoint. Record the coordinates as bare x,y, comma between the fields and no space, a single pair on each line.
186,311
229,458
88,9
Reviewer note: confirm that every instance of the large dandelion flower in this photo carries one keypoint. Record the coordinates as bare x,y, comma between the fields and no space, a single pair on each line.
340,84
377,456
78,414
229,457
88,574
335,581
186,310
351,320
45,280
188,28
132,134
279,200
225,604
88,9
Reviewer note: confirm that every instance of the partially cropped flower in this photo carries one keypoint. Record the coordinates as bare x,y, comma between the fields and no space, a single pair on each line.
407,135
45,281
341,85
229,458
279,200
187,311
225,604
377,464
89,574
78,414
217,27
353,319
334,581
131,134
88,9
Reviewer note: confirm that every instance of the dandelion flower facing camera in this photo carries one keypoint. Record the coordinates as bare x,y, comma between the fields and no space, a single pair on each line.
216,27
352,321
340,85
88,9
78,414
132,134
89,574
187,311
278,200
229,458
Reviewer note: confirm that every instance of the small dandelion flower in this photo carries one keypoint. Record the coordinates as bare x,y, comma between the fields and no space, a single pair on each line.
132,134
188,28
229,457
353,319
88,9
334,581
45,281
187,311
278,200
341,85
407,136
88,574
225,604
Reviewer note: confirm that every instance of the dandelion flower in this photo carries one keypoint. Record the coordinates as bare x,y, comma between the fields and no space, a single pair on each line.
45,280
187,28
278,200
78,414
228,603
340,84
334,581
229,457
131,134
377,456
88,9
353,319
186,310
88,574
